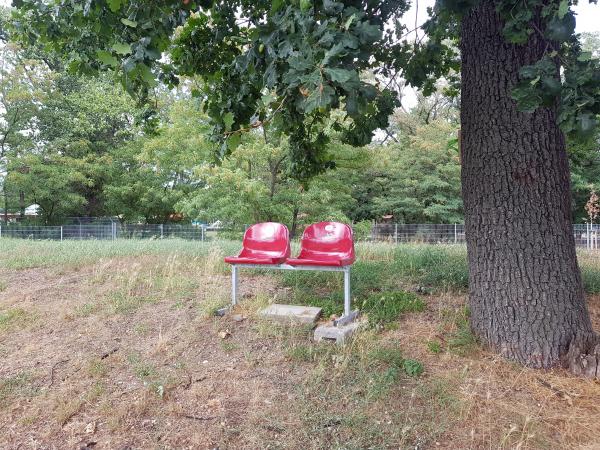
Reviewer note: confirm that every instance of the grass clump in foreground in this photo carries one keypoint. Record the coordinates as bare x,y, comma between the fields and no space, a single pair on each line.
12,317
19,384
350,395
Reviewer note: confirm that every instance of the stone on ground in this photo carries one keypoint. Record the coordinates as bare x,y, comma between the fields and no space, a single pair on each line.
340,334
291,313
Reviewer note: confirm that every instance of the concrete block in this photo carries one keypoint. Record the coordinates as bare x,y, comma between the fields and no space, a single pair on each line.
291,313
340,334
221,311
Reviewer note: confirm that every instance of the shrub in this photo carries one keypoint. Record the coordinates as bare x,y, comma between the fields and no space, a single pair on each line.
412,367
434,346
362,230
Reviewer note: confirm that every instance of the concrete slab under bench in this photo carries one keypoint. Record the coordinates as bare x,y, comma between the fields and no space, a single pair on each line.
295,314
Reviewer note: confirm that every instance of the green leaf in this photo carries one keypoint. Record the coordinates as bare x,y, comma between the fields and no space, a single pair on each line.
233,141
267,99
121,48
526,97
586,125
228,121
114,5
276,5
552,85
563,9
106,58
129,23
560,30
584,56
305,5
349,21
339,75
351,105
146,74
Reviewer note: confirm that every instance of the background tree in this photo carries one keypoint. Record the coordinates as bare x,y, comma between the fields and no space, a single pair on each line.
23,85
83,121
253,185
154,172
584,155
423,185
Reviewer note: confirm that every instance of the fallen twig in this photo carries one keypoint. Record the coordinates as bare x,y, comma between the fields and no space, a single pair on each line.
108,353
189,416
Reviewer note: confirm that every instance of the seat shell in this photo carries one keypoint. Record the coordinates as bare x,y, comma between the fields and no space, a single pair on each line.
264,243
326,244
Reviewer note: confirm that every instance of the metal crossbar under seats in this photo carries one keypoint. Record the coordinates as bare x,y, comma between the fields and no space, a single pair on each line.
345,269
325,246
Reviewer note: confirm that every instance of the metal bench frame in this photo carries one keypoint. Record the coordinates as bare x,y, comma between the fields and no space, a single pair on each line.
348,316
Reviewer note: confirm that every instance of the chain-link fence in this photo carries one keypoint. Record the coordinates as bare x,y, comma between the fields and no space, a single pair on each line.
113,231
426,233
586,235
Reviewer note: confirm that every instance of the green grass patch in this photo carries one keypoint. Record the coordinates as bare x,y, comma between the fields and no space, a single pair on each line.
123,302
590,274
20,384
23,253
384,308
434,346
12,317
438,267
461,341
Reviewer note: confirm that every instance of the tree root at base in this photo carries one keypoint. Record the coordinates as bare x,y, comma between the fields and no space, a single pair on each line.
583,357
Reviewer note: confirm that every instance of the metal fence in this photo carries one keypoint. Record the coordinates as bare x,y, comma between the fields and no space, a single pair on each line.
426,233
586,235
113,231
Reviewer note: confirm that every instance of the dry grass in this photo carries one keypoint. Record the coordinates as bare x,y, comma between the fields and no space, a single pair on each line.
123,351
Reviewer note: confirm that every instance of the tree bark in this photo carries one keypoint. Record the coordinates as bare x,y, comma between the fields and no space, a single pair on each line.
525,291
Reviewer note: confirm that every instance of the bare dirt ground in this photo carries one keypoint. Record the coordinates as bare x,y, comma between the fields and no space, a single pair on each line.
124,353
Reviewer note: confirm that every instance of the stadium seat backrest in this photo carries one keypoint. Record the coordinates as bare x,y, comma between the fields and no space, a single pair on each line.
327,238
268,238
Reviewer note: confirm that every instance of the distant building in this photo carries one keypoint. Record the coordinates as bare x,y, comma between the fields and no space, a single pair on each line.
31,212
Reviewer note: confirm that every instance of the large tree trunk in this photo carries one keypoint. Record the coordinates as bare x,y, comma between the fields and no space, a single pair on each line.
526,295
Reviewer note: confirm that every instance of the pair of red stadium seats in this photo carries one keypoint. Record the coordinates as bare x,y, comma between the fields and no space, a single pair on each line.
323,244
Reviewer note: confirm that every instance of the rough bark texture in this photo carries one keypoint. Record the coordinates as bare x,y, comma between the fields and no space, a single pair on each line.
526,295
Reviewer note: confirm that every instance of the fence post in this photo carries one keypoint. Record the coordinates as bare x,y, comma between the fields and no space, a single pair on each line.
0,230
396,233
455,235
201,233
587,235
61,233
161,231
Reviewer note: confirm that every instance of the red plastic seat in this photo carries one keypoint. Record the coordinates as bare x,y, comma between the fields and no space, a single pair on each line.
326,244
264,243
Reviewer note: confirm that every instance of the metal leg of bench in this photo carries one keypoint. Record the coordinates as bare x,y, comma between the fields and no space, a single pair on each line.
347,291
234,284
349,315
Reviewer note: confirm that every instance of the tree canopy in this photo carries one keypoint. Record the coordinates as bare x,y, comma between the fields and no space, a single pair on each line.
287,65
